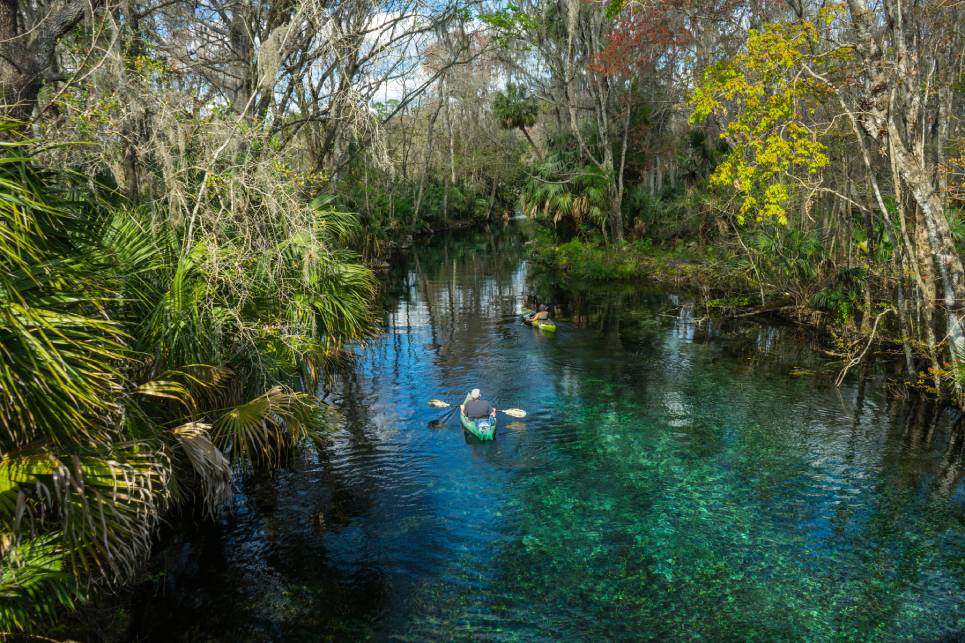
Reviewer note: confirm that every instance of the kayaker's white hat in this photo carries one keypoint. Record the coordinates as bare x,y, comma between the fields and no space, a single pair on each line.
474,394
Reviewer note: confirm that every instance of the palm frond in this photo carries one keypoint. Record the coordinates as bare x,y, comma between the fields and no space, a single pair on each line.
119,342
34,586
58,349
103,504
180,325
208,463
263,429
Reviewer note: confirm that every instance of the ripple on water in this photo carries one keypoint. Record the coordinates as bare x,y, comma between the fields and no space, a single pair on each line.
667,483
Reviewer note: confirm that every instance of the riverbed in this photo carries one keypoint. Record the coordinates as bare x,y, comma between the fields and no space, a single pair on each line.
672,479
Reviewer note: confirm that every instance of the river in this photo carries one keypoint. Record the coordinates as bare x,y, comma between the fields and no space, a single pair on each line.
671,480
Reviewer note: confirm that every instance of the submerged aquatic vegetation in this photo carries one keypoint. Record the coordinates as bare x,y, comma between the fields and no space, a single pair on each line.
671,482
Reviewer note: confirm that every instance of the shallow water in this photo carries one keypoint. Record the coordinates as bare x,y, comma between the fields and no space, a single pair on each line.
670,481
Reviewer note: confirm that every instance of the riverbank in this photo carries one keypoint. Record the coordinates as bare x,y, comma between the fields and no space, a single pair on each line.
723,283
677,265
145,365
727,285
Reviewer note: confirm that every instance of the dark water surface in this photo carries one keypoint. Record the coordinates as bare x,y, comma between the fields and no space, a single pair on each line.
668,482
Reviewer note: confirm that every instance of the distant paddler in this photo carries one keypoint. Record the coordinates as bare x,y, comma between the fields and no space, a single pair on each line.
540,319
543,314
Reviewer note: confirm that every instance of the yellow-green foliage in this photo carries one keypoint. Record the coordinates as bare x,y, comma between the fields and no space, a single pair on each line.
763,96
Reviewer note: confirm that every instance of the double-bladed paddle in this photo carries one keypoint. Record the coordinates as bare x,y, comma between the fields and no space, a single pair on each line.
439,404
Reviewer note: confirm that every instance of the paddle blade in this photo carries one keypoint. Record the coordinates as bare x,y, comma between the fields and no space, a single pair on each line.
438,404
516,413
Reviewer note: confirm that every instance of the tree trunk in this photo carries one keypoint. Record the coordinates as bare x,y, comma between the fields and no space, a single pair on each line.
23,60
452,140
492,200
539,155
927,303
615,194
892,88
950,270
425,168
239,37
445,200
18,87
616,215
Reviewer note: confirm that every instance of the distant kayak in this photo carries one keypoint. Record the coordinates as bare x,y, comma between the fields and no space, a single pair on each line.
484,428
546,326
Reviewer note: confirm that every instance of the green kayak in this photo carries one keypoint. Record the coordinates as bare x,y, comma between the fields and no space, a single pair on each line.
546,326
484,429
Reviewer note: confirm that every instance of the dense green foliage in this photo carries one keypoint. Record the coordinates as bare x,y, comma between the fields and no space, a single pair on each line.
132,377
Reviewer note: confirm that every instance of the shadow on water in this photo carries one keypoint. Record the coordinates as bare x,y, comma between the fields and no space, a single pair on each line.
673,478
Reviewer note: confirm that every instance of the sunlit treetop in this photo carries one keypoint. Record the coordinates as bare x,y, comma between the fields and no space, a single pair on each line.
510,25
764,97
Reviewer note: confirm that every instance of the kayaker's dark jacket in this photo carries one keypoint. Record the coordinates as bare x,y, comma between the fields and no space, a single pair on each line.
476,409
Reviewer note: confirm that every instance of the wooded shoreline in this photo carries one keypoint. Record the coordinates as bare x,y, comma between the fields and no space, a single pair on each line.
193,198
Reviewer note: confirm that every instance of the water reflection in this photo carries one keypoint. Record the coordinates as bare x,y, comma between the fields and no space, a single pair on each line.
671,480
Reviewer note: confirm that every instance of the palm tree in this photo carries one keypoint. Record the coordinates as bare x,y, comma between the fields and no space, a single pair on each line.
131,378
516,109
79,495
571,198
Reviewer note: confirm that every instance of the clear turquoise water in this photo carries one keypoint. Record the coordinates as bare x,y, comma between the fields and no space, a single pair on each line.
670,481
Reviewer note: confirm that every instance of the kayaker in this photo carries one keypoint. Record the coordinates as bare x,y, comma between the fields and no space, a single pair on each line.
542,314
476,408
